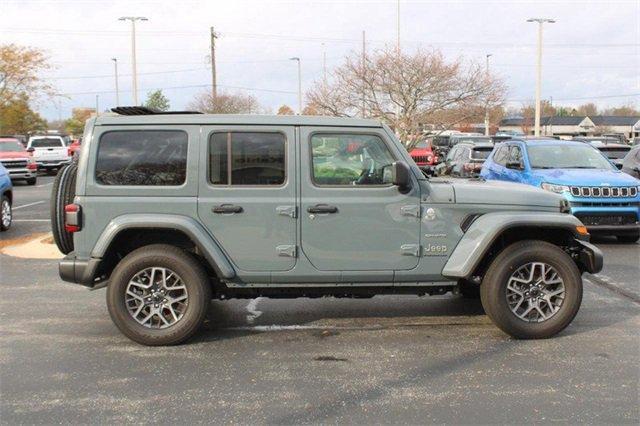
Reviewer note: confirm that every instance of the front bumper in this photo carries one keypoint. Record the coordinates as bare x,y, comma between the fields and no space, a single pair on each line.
79,271
607,216
590,257
22,173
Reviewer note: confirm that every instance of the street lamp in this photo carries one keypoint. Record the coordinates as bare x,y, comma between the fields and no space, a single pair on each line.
115,64
133,20
540,21
299,84
486,111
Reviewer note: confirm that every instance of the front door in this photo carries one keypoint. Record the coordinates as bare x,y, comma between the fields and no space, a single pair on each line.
352,217
247,194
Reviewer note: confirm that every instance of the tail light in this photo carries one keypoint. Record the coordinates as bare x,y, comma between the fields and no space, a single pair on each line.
72,218
31,164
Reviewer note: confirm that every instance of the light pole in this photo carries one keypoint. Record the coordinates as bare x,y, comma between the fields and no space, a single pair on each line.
299,84
540,21
133,20
115,64
486,110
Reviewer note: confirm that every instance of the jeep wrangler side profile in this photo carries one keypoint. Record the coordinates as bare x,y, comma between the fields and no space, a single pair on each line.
171,210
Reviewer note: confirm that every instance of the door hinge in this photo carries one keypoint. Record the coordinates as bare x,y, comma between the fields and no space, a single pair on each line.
286,250
290,211
410,250
412,210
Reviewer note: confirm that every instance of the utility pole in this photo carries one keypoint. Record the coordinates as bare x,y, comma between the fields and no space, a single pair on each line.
97,105
364,67
214,84
486,110
398,29
540,22
324,64
115,64
134,72
299,84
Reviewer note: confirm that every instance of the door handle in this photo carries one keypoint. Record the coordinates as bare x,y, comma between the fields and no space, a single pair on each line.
322,208
227,209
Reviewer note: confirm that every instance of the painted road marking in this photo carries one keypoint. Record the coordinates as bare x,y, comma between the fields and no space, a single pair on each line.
32,220
253,312
44,184
28,205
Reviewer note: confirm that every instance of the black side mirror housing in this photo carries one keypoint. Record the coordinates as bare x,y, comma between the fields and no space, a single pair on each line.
401,176
31,149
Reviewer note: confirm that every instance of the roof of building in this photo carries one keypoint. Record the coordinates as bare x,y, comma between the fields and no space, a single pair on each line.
229,119
574,120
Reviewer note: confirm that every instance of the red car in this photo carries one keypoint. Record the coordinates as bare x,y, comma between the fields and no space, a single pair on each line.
75,148
424,156
18,161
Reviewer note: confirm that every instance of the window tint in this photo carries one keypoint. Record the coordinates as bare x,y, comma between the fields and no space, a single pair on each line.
349,159
142,158
481,153
47,143
247,158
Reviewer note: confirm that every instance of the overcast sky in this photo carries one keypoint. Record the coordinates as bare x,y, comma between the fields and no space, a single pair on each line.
592,53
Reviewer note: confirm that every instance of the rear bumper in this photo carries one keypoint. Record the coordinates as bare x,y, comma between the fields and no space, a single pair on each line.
49,164
78,271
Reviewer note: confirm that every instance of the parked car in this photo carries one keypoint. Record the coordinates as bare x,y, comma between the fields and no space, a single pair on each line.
603,198
465,159
21,138
510,133
443,147
50,152
6,198
635,141
74,148
15,158
423,155
176,209
597,139
631,162
622,139
615,152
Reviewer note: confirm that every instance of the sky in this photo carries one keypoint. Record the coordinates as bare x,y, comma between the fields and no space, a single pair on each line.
591,53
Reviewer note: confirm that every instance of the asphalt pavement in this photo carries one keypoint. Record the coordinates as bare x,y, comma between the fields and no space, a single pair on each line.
389,359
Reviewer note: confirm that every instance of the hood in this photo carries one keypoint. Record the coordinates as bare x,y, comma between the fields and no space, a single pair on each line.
478,191
421,151
585,177
12,154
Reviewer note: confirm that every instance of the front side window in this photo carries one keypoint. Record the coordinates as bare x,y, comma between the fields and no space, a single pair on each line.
247,158
142,158
350,160
516,155
500,157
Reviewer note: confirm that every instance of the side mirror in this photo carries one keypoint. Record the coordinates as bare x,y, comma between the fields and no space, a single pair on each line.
515,165
32,149
401,176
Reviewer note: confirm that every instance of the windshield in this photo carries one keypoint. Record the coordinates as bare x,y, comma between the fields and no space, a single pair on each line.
481,153
441,141
46,143
11,146
423,144
473,140
566,157
615,153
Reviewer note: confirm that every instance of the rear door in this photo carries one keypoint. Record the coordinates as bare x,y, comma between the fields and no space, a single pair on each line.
247,194
352,217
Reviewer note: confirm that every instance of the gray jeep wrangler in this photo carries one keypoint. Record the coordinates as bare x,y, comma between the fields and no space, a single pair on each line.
171,210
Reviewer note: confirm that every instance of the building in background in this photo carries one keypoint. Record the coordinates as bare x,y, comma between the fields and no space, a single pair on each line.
576,125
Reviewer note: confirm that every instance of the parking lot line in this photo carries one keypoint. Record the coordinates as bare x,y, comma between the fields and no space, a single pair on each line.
44,184
28,205
32,220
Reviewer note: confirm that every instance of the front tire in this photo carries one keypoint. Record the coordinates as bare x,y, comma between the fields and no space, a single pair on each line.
158,295
532,290
628,239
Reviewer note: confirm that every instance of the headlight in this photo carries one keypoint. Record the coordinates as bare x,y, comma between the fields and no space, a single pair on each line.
429,158
558,189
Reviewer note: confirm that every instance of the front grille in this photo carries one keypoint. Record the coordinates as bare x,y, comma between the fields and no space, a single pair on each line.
420,159
15,164
604,191
607,219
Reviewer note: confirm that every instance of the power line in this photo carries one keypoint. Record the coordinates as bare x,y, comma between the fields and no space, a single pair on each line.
195,86
628,95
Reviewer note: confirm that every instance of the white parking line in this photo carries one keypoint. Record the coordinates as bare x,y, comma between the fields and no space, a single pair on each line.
44,184
32,220
28,205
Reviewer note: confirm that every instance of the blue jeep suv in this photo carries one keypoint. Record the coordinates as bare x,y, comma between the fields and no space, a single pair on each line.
603,198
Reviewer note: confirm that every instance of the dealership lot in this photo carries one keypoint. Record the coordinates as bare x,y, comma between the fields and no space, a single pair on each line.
388,359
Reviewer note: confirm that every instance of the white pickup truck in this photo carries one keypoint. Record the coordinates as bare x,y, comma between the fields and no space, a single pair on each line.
49,152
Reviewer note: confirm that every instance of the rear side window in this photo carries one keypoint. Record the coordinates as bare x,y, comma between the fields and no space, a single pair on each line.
247,158
481,153
47,143
142,158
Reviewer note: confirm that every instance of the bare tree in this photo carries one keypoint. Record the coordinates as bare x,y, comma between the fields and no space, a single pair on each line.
408,91
225,103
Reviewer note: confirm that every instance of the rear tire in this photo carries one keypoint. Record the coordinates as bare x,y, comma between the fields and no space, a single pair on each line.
31,181
129,276
6,214
507,285
63,193
628,239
